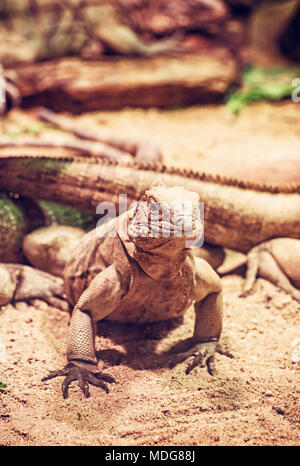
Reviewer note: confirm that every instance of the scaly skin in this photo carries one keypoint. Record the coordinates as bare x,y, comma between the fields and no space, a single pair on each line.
238,215
12,230
141,273
23,283
34,30
276,260
20,216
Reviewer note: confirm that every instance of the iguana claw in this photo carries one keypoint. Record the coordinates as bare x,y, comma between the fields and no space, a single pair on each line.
83,376
203,354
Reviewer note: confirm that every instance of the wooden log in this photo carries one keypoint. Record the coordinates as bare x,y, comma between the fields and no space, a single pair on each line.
164,81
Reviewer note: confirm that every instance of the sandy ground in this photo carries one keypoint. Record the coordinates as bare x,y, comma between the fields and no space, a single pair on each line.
253,399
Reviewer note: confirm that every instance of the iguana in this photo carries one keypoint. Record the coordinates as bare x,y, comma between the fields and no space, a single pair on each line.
276,260
35,30
237,215
135,278
87,142
135,268
20,216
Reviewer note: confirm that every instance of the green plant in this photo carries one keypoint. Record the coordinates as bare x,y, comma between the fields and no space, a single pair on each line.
259,84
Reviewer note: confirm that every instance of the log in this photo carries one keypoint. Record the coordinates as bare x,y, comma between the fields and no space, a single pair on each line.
164,81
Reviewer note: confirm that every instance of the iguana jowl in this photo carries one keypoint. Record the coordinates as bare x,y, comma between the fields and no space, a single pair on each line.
144,275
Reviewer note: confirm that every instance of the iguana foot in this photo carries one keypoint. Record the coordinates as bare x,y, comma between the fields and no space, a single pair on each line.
83,376
202,353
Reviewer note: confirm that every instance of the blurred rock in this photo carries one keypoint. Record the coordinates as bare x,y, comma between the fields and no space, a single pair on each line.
161,17
241,3
165,82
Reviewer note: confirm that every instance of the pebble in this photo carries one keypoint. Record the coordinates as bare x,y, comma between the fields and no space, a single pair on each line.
278,410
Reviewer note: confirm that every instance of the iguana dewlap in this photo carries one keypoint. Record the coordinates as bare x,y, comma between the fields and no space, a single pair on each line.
135,278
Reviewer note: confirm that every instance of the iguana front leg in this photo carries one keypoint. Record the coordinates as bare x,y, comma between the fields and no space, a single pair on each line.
96,302
208,322
82,365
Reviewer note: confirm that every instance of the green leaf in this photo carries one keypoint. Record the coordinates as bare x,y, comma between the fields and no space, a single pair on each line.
262,84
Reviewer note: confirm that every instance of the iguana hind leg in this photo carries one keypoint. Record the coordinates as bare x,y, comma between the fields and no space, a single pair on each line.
270,270
276,260
23,283
253,259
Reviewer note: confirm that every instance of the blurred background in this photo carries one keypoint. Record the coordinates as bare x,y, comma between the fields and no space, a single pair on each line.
208,85
208,82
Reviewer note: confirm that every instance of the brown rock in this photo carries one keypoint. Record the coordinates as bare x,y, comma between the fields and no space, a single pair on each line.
165,82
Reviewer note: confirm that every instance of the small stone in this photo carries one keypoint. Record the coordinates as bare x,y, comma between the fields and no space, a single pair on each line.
278,410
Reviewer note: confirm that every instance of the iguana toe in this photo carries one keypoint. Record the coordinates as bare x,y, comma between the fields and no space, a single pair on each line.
203,354
84,378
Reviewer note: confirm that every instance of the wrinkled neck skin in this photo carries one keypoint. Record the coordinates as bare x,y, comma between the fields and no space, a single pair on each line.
162,262
160,258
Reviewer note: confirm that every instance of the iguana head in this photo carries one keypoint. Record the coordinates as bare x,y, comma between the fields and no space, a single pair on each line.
164,224
166,216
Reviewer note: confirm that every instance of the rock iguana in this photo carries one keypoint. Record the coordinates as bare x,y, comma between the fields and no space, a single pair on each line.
135,268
